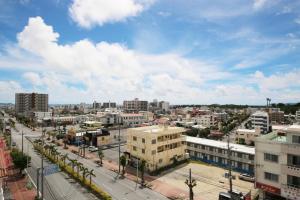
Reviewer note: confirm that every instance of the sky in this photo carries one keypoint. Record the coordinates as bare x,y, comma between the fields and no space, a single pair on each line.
184,52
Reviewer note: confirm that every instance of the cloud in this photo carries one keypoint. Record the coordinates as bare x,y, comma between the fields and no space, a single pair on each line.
8,90
258,4
297,20
88,13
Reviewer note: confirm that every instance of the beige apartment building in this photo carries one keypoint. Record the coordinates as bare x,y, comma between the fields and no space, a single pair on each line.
277,161
159,145
247,136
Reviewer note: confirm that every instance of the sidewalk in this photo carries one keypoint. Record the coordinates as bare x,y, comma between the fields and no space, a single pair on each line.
17,188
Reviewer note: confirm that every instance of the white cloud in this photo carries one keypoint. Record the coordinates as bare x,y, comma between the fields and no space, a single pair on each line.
297,20
8,90
88,13
258,4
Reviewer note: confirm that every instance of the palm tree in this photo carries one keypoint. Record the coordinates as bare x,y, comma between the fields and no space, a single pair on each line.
91,173
100,155
123,162
142,169
85,172
64,158
73,163
79,165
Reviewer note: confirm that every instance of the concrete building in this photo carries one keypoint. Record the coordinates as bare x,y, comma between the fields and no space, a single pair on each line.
164,106
221,116
277,164
109,105
261,119
215,152
42,115
132,119
276,116
135,106
205,120
159,145
96,105
298,116
26,103
247,136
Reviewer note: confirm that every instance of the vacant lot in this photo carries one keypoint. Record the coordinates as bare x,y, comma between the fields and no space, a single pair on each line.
210,181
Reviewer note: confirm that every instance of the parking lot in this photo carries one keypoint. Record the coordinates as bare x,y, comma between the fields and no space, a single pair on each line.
210,181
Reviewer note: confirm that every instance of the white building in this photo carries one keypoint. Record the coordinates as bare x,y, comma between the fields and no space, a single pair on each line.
132,119
247,136
42,115
215,152
277,162
298,116
261,119
164,106
206,120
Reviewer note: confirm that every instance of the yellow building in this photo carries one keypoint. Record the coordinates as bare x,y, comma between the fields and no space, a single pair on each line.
159,145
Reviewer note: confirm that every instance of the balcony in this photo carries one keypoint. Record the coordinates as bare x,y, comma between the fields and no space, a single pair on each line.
291,170
293,192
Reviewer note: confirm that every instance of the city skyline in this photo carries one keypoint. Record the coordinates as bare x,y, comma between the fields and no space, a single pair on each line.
185,53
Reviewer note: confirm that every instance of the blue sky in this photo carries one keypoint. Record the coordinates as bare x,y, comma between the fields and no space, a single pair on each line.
202,52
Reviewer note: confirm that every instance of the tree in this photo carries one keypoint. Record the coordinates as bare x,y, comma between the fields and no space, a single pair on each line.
64,158
91,173
123,163
142,169
73,163
79,167
85,172
19,159
100,155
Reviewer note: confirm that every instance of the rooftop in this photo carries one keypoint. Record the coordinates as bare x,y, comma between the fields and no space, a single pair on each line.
158,129
221,145
260,113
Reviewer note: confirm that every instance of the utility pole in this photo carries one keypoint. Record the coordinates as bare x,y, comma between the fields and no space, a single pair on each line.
119,140
37,183
229,165
42,164
191,183
22,142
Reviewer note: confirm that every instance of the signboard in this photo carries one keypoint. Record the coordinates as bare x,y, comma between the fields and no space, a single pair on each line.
268,188
51,169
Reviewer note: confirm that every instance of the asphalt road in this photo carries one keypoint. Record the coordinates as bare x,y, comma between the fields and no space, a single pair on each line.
56,186
59,186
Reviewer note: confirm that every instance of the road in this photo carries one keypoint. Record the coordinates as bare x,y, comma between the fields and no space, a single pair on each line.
119,189
56,186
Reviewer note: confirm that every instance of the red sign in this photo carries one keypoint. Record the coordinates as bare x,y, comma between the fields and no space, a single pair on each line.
268,188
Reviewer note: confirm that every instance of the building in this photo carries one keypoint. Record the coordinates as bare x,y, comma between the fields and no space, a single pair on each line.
221,116
298,116
132,119
42,115
109,105
135,106
96,105
215,152
247,136
108,118
276,116
206,120
159,145
261,119
164,106
277,164
26,103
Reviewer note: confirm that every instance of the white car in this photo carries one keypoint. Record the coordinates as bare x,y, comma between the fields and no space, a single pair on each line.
246,177
93,148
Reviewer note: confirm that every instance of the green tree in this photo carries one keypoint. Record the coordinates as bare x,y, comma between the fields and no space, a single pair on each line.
100,155
142,169
91,174
64,158
123,163
19,159
73,163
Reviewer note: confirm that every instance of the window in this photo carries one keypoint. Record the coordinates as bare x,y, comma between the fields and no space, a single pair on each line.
160,160
240,155
153,152
134,148
296,139
143,140
293,181
154,141
134,138
293,160
271,157
271,177
143,151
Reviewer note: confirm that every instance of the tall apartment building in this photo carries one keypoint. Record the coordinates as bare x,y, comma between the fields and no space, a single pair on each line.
261,119
164,106
26,103
298,116
215,152
135,105
206,120
277,161
159,145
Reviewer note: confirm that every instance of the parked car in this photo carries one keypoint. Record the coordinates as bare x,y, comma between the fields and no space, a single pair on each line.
226,175
93,148
246,177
